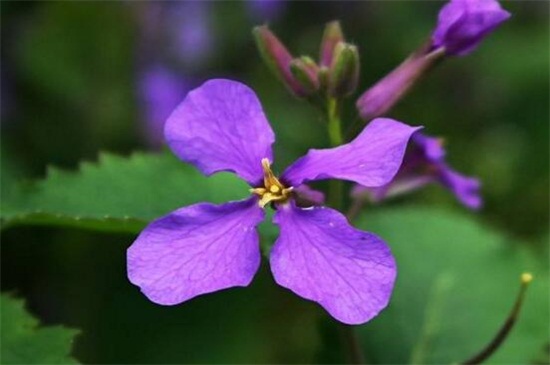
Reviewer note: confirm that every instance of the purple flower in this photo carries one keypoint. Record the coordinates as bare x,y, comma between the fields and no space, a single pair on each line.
161,90
203,248
462,24
424,163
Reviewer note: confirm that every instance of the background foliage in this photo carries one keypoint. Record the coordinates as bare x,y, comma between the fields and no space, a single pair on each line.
79,180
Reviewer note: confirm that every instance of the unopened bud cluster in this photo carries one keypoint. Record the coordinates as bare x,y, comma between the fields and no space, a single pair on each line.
461,27
336,74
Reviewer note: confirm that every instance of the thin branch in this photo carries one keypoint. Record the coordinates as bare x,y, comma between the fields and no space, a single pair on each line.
501,335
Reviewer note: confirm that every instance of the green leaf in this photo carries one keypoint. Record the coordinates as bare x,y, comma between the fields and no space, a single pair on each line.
117,193
23,341
457,282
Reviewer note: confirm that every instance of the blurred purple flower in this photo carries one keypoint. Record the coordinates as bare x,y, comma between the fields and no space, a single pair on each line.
203,248
161,90
179,31
424,163
264,10
462,24
190,29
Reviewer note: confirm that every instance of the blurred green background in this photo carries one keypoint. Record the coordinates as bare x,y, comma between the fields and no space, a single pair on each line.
71,87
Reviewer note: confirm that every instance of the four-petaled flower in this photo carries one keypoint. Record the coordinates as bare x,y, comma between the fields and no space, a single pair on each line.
203,248
424,163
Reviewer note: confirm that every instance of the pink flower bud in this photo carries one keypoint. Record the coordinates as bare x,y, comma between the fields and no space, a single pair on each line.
381,97
278,58
332,36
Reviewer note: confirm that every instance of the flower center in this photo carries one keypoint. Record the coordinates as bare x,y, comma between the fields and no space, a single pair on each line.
273,190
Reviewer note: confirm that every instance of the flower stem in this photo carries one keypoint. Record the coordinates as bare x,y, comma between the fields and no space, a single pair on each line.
352,345
334,122
355,209
349,336
503,332
336,195
336,188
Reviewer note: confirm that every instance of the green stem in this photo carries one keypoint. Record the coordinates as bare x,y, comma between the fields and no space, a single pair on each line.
336,200
354,350
336,187
353,347
334,122
355,209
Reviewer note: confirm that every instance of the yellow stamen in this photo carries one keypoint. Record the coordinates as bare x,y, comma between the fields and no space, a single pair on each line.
258,191
273,189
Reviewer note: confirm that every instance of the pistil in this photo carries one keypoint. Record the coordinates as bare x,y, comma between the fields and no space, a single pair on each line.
273,190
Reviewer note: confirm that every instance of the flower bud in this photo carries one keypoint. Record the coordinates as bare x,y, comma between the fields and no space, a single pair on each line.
381,97
305,71
344,70
277,57
331,37
323,78
462,24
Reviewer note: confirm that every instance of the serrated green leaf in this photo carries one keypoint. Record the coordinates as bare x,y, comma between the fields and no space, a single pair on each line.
117,193
457,282
23,341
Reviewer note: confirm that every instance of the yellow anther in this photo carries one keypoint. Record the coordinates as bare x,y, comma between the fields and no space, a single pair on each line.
273,189
257,191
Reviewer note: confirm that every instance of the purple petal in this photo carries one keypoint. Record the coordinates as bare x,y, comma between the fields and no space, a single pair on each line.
424,163
195,250
462,24
371,159
320,257
429,157
430,147
220,126
466,189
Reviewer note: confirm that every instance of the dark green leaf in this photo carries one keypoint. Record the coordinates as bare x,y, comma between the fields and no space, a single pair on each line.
117,193
23,341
